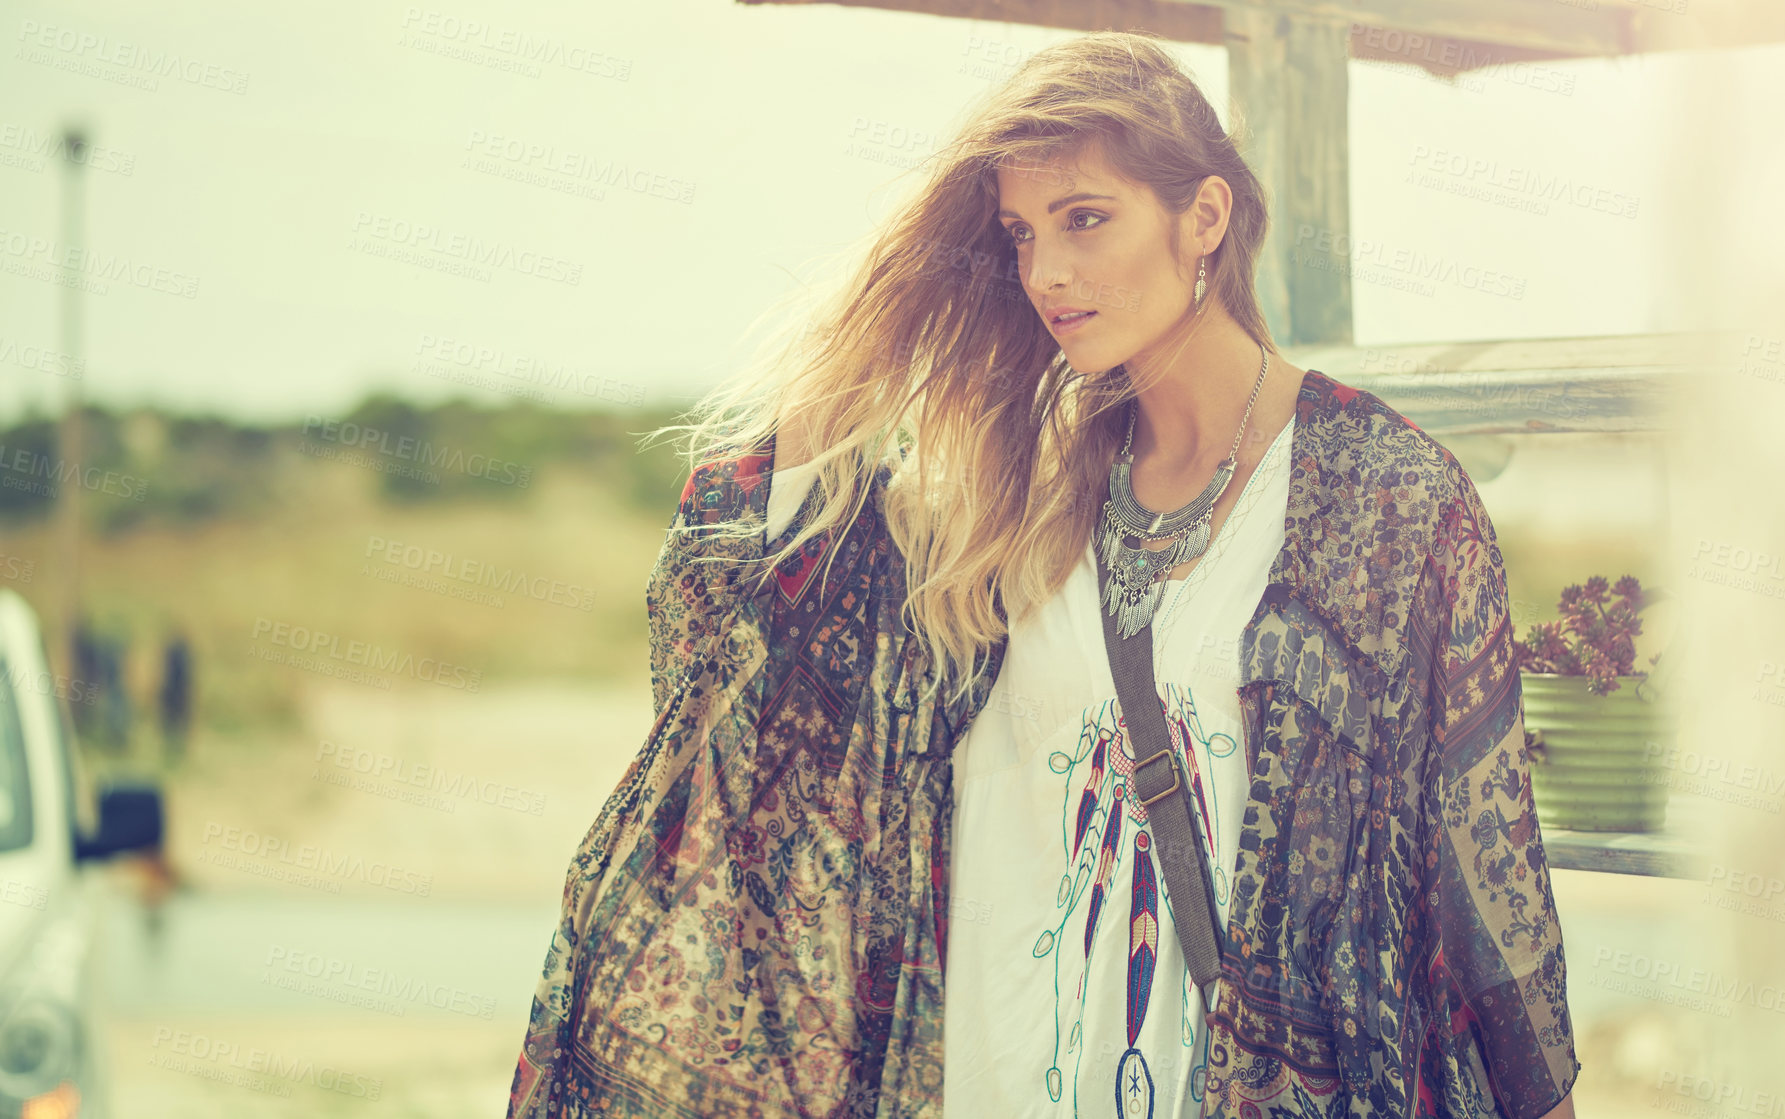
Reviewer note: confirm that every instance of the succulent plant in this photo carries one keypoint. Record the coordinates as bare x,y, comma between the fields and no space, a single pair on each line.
1595,636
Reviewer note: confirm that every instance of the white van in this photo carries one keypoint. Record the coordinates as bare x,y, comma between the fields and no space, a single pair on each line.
51,828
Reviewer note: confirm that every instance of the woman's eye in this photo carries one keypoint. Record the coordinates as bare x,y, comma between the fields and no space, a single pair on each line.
1072,225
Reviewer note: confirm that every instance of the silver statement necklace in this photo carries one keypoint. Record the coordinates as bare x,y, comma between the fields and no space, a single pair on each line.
1136,574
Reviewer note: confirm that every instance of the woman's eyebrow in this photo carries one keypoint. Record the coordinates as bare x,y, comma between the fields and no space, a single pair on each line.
1082,196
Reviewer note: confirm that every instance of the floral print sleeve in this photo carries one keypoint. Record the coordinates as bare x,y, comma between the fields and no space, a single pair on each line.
1499,1036
754,924
691,608
688,601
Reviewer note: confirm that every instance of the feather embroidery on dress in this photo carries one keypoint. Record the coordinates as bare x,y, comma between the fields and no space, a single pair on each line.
1143,934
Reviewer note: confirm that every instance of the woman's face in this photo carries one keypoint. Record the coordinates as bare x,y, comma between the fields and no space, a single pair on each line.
1087,241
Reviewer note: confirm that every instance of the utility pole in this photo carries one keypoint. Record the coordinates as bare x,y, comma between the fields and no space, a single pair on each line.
69,442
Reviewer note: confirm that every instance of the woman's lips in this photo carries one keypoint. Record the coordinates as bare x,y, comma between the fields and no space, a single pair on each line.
1074,320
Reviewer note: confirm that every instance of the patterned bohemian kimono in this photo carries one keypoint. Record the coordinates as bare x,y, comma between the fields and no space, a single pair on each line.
756,923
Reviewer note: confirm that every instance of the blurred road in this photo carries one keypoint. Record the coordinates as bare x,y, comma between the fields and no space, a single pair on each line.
428,999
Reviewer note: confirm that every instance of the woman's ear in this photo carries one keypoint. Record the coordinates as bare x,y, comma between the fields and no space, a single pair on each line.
1213,206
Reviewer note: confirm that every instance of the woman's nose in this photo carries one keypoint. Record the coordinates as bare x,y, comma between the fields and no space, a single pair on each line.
1047,271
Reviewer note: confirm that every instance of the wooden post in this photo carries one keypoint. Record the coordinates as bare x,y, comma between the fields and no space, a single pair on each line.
1288,92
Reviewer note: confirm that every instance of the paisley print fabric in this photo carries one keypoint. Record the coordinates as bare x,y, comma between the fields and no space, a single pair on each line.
756,922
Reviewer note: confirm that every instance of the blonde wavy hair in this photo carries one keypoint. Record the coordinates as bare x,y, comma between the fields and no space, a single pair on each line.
929,358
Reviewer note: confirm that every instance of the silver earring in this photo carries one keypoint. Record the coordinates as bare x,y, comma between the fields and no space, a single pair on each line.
1201,282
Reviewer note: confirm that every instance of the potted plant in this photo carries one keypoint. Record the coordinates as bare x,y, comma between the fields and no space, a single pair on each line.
1592,720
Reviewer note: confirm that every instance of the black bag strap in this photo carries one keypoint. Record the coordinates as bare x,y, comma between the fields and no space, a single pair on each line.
1176,836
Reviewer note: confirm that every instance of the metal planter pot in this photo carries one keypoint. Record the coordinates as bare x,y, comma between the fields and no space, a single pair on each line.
1597,764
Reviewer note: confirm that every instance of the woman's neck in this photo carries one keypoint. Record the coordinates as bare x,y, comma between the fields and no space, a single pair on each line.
1190,414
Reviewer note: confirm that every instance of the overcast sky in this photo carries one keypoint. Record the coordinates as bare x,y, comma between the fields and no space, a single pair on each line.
255,202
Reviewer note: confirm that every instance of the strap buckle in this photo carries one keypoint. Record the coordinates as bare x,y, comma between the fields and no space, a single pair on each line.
1175,786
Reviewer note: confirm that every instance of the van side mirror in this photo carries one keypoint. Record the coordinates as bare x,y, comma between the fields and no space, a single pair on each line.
130,819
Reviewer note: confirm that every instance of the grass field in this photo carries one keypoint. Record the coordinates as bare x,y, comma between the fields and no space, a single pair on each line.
333,558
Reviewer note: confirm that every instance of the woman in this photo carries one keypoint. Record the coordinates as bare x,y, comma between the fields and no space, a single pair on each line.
887,760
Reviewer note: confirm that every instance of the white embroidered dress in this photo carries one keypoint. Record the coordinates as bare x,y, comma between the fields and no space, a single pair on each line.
1066,990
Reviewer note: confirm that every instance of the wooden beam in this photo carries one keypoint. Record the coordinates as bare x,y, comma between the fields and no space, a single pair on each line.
1187,23
1442,36
1442,55
1609,383
1287,96
1455,34
1592,27
1657,854
1661,25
